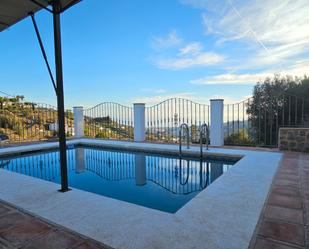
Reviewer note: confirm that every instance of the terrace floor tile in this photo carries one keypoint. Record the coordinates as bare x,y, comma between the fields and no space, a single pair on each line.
288,177
12,219
282,231
21,230
290,172
284,221
54,240
285,201
284,182
4,210
88,245
262,243
288,190
285,214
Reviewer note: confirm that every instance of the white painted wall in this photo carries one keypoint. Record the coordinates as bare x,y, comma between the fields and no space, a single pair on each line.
139,122
78,121
216,122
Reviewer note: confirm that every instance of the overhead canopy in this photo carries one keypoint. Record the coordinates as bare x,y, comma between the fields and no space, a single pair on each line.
13,11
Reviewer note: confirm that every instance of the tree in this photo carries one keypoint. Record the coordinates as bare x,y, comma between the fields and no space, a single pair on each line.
276,102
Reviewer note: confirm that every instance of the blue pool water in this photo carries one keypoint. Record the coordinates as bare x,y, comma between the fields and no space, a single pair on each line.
150,180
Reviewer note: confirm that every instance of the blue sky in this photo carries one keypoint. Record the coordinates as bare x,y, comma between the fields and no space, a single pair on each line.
137,50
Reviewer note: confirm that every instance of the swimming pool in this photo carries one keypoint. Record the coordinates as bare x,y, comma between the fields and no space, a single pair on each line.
150,180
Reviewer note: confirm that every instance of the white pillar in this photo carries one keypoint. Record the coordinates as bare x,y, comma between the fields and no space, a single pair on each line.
216,122
78,121
139,122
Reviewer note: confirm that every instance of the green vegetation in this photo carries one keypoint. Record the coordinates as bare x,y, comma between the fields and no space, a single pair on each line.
277,102
105,127
102,135
26,121
240,138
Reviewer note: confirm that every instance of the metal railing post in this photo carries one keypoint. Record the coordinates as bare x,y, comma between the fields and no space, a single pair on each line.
186,127
204,131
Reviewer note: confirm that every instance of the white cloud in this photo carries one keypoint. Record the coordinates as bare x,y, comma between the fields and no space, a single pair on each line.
298,68
181,62
278,28
156,99
231,79
274,22
193,48
268,35
180,55
171,40
193,96
283,55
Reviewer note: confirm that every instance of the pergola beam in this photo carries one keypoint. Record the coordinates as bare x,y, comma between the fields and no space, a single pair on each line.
41,5
4,24
69,5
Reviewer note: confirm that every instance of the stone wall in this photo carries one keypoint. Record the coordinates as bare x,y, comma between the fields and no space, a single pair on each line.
294,139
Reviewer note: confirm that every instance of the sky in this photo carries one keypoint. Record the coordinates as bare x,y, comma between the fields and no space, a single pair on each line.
130,51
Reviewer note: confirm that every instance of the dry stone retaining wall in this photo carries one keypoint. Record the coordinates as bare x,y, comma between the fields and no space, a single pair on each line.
294,139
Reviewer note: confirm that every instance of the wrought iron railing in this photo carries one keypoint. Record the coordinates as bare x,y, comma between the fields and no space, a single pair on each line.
256,121
163,119
109,120
25,121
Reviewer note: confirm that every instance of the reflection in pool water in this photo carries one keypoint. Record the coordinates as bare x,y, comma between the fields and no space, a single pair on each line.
154,181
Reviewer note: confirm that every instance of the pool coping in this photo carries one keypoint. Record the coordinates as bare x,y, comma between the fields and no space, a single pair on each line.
127,145
227,211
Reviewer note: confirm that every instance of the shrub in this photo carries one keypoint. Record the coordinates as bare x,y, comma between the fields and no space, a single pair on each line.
240,138
101,135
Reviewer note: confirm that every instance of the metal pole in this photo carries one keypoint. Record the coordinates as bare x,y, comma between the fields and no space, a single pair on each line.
60,98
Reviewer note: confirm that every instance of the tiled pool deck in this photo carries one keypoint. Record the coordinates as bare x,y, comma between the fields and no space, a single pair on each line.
223,216
21,230
284,222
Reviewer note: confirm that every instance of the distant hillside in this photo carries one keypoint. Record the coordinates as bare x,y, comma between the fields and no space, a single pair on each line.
26,121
